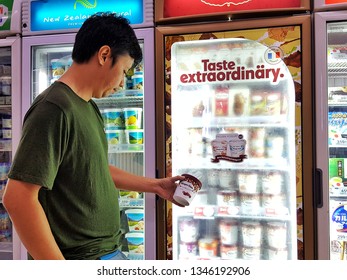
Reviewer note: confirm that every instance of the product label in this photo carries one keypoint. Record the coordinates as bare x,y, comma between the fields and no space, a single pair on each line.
337,177
337,122
339,222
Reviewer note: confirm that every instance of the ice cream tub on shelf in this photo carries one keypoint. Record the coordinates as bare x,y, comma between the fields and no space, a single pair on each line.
133,118
250,203
135,219
134,136
208,247
113,118
135,242
114,137
227,198
188,229
276,233
228,252
229,231
188,250
277,253
250,253
251,232
137,81
130,194
271,183
6,85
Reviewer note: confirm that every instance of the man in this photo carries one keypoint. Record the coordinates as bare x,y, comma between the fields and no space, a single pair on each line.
62,194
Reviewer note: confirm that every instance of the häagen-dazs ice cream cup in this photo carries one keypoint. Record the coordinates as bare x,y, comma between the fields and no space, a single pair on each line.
187,189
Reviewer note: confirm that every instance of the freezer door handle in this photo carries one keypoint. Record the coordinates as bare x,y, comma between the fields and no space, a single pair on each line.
318,189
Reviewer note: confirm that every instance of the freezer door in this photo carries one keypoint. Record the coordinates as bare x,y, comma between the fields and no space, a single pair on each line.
233,128
332,146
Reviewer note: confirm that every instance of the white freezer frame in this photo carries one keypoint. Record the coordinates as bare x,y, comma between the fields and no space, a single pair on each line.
15,44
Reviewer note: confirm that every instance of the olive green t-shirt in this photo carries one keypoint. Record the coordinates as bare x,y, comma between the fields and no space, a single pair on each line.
63,148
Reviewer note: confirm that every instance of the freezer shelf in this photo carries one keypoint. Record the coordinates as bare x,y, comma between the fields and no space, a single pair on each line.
235,212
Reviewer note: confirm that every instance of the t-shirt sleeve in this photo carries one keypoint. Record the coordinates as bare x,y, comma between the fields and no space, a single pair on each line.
41,147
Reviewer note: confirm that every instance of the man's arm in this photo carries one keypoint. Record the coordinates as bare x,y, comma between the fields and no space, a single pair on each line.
164,187
21,202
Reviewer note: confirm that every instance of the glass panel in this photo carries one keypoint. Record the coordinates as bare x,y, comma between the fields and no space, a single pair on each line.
233,129
5,148
49,63
337,120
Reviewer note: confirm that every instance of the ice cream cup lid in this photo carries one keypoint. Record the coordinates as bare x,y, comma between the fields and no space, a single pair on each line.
194,179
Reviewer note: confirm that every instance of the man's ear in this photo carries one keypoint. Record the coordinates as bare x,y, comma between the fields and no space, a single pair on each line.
103,54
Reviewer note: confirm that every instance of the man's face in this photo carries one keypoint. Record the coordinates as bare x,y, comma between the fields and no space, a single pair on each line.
114,75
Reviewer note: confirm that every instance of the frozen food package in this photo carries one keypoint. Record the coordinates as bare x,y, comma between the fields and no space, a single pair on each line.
239,102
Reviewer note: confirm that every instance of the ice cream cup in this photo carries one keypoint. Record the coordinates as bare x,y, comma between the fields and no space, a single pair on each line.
134,136
276,233
250,253
227,198
251,234
113,118
237,147
187,189
228,252
133,118
188,229
135,219
250,203
277,253
114,136
229,231
135,242
226,179
219,147
271,183
248,182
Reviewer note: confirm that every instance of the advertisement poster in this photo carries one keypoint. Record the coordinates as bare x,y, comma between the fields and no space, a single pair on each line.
285,42
5,14
176,8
